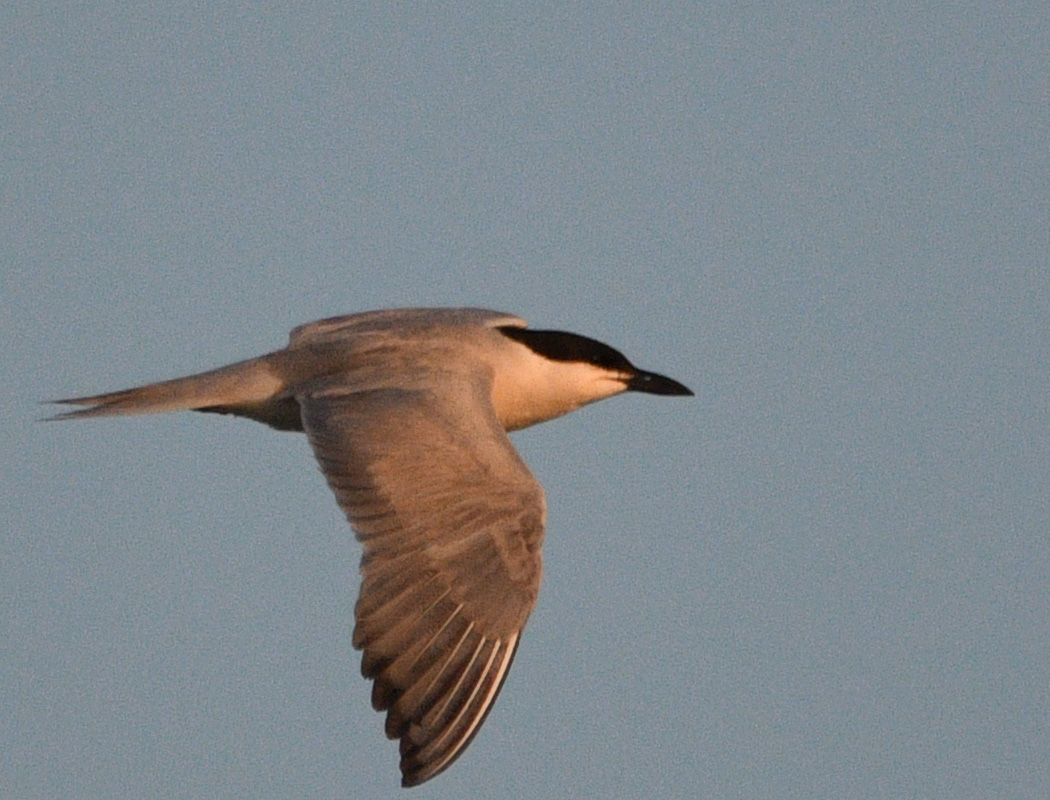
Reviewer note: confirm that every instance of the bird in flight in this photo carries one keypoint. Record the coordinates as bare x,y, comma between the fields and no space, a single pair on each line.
407,412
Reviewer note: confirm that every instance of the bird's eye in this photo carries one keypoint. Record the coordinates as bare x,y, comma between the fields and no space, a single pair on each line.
608,358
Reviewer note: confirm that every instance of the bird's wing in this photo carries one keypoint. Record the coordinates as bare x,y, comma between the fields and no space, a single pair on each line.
451,521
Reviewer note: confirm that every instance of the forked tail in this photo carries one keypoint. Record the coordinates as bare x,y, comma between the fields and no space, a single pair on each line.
245,385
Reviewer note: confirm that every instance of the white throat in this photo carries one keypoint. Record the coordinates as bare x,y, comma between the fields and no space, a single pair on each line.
528,388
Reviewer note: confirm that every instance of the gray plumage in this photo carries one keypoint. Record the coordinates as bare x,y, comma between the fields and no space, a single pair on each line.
407,412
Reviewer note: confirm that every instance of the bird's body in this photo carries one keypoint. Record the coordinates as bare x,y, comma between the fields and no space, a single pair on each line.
407,413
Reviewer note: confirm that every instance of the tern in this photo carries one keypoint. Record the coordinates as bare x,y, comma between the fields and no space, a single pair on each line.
407,412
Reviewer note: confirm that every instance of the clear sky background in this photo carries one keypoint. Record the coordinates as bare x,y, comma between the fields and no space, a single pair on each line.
826,576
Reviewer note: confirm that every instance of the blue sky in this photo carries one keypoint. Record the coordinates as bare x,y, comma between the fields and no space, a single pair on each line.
826,576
